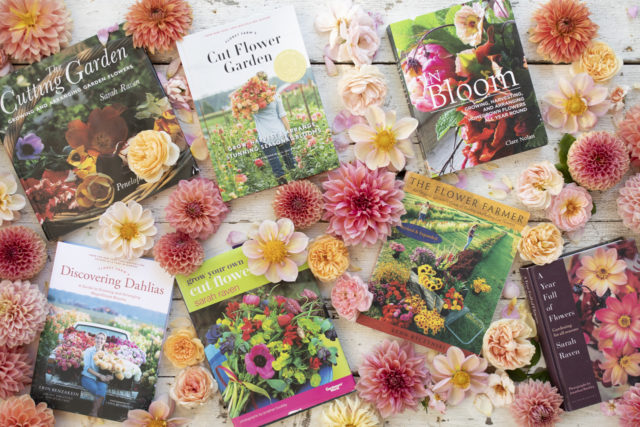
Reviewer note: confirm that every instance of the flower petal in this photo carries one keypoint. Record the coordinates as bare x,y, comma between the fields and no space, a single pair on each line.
404,127
362,133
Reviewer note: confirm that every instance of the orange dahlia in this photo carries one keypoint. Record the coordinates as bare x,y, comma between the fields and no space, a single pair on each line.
33,29
563,30
157,24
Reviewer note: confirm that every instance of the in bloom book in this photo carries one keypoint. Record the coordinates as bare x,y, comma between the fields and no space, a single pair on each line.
586,308
67,122
98,352
440,275
468,85
271,346
258,103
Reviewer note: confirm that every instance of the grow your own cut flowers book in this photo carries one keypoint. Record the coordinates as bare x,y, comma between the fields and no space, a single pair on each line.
271,346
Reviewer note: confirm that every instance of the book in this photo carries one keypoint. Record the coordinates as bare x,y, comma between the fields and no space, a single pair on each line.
65,123
467,83
98,353
271,346
439,276
585,305
258,103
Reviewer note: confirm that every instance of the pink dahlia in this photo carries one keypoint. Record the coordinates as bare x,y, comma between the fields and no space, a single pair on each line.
629,203
196,208
300,201
628,407
23,411
618,364
629,131
178,253
458,376
16,370
598,160
393,377
22,253
621,321
23,311
158,415
350,295
362,205
537,404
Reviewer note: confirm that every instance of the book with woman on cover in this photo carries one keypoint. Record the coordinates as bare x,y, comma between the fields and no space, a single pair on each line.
258,103
66,122
271,346
440,275
99,350
588,316
467,82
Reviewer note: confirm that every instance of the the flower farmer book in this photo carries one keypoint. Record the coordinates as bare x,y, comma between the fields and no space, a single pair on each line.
467,82
66,122
259,107
99,350
440,275
271,346
588,316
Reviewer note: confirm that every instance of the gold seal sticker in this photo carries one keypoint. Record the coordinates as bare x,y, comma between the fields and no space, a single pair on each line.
290,65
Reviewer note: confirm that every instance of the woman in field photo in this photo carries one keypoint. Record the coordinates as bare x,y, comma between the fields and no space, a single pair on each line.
92,379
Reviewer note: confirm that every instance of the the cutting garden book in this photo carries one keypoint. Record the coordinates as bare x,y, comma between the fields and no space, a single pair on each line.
440,275
586,308
271,346
467,82
258,103
66,121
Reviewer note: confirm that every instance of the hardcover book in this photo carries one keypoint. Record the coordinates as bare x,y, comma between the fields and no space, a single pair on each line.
258,103
98,353
467,83
66,121
586,308
440,275
271,346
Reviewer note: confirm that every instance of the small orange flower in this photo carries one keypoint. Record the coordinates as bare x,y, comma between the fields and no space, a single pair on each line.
183,348
328,258
104,129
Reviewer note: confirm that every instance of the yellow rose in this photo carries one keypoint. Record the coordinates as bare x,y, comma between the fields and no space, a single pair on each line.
183,348
328,258
599,61
151,153
541,244
95,190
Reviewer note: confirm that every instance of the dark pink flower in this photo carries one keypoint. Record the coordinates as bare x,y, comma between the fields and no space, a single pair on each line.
22,253
621,320
628,408
251,299
259,361
178,253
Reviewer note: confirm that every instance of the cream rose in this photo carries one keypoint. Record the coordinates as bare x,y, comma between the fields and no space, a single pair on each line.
150,153
599,61
361,87
193,386
541,244
538,184
506,345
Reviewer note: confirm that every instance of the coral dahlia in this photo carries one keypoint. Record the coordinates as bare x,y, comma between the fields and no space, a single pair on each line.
598,160
629,203
158,24
300,201
23,311
22,253
23,411
178,253
537,404
629,131
15,370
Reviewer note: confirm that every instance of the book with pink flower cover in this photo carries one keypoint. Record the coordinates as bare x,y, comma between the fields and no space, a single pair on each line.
467,83
588,317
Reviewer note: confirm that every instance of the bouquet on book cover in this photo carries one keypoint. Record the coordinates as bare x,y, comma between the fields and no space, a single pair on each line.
253,96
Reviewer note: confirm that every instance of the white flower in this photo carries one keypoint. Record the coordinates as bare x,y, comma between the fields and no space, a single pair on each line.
10,202
337,18
500,389
468,21
126,230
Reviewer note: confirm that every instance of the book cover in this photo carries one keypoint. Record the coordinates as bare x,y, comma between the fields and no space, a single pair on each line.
440,275
467,83
586,308
258,103
271,346
98,353
65,122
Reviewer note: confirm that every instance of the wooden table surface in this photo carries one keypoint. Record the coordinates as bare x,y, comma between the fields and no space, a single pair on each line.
616,28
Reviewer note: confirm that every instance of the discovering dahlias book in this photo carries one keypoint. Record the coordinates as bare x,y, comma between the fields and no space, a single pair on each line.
271,346
68,122
588,315
99,350
440,275
467,82
258,103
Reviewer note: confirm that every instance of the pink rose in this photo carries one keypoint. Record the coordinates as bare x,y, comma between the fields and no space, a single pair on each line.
362,87
362,44
538,183
350,295
506,344
571,209
193,386
251,299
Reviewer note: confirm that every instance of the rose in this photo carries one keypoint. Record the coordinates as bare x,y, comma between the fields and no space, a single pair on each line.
183,348
193,386
328,258
538,183
617,96
362,87
150,153
541,244
95,190
258,162
362,43
571,209
599,61
350,295
506,344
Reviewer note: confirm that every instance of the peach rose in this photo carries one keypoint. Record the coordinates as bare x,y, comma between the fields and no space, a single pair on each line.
538,183
95,190
150,153
193,386
617,96
328,258
541,244
506,344
599,61
183,348
362,87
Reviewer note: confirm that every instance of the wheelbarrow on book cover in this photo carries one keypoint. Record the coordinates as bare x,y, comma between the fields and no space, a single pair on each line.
456,316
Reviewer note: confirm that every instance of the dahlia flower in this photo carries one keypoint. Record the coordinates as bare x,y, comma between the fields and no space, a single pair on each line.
195,207
576,105
350,411
629,131
537,404
23,411
362,205
22,253
328,258
571,209
619,364
126,230
629,203
16,370
383,141
457,375
393,377
178,253
158,24
608,408
158,415
350,296
300,201
23,311
628,407
275,250
33,29
598,160
562,30
538,184
10,203
602,271
621,320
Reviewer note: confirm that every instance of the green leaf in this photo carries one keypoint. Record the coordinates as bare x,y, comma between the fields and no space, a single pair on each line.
542,375
564,145
256,389
517,375
593,210
277,385
326,325
446,121
564,170
536,356
315,380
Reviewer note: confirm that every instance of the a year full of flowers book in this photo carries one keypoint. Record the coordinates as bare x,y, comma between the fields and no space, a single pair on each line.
258,103
586,308
440,275
98,354
67,122
271,346
467,82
